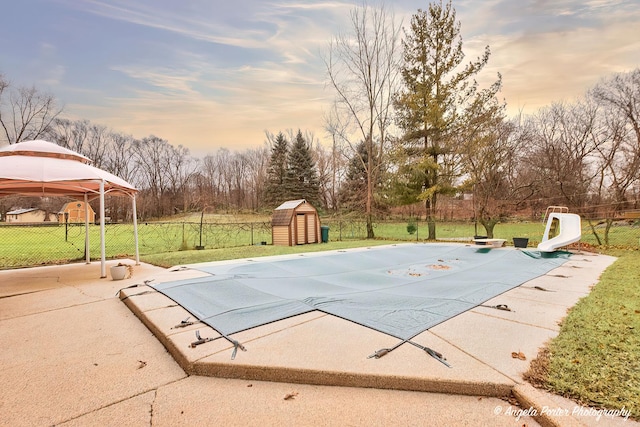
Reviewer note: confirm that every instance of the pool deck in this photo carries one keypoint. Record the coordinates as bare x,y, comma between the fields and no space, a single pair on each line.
79,350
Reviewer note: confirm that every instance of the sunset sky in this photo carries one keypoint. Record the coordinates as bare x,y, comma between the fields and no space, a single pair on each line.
215,73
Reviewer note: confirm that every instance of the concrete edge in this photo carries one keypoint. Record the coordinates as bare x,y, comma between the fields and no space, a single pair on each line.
312,376
531,400
175,352
345,379
534,400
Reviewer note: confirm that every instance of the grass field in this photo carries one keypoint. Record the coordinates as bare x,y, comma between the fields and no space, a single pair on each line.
52,244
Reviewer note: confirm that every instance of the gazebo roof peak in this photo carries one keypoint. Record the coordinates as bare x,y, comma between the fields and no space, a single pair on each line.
41,148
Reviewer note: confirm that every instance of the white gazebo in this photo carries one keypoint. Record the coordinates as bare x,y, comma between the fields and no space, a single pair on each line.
40,168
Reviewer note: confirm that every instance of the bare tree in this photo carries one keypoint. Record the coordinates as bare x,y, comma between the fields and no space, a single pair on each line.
563,141
180,168
151,155
362,70
25,113
89,139
258,159
619,154
330,164
120,162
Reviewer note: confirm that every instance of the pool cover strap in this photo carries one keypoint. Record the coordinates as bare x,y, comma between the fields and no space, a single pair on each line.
436,355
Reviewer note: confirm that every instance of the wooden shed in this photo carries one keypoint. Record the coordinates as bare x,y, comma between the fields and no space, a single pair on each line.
295,222
75,212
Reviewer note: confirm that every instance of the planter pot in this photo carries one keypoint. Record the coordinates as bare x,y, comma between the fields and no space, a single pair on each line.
121,271
520,242
118,272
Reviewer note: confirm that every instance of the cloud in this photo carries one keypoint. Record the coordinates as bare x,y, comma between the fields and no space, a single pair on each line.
195,23
211,74
561,59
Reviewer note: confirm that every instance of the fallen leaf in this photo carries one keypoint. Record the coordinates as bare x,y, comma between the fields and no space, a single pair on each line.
291,396
518,355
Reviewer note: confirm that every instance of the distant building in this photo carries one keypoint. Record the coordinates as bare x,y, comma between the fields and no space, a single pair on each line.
74,212
29,215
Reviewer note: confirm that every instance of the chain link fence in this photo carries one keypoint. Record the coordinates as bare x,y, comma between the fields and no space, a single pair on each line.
54,243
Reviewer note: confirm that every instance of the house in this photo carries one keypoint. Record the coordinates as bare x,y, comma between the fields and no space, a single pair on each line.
295,222
74,212
29,215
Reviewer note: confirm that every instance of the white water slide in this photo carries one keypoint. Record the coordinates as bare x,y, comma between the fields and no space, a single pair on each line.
570,231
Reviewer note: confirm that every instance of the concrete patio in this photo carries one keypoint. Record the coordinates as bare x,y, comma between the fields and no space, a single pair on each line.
74,353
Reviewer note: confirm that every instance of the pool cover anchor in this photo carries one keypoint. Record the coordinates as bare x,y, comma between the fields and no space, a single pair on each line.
503,307
236,345
200,340
184,323
436,355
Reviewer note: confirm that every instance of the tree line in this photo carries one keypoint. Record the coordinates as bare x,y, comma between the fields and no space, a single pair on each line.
409,124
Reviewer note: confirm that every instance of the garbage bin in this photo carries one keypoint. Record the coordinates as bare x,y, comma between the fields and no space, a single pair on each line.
324,231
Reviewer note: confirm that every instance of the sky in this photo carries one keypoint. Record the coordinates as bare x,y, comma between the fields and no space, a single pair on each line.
208,74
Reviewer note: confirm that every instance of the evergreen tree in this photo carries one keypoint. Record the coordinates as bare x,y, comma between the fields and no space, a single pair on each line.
302,175
353,193
276,191
434,105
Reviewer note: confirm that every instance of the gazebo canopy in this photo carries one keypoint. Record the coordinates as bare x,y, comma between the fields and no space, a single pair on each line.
40,168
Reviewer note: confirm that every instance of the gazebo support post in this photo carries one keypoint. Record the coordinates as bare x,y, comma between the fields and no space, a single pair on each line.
103,258
135,228
87,255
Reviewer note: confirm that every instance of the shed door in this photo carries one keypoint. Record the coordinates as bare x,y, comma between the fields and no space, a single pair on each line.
301,229
311,229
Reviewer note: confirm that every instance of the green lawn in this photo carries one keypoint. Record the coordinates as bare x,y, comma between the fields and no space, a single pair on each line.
596,357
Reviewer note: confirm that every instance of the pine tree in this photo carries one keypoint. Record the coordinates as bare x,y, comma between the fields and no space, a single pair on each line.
433,105
302,176
276,191
353,193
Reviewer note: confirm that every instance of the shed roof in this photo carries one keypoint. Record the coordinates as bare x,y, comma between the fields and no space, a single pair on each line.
22,211
282,217
291,204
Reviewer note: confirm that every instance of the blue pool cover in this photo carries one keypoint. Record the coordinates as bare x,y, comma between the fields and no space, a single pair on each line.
400,290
